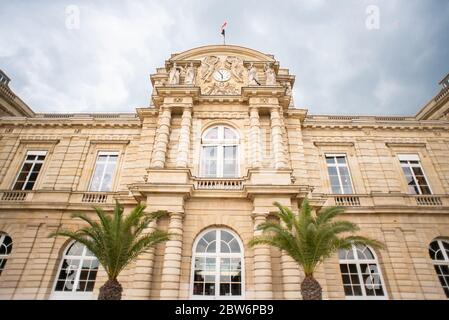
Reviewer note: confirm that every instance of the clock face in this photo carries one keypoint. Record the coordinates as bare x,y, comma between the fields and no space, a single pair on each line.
222,75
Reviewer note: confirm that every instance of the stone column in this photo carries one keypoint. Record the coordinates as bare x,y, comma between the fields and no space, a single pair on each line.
291,277
255,137
143,271
182,158
161,140
277,140
171,271
263,284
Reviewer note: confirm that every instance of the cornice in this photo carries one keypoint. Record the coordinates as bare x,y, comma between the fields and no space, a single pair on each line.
39,140
375,125
109,141
220,115
405,144
71,122
333,143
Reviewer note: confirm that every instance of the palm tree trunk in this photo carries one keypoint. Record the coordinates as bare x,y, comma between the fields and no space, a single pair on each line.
311,289
111,290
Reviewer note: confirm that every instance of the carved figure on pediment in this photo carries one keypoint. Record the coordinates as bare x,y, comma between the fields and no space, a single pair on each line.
190,75
173,77
208,67
236,66
270,75
222,88
288,89
253,77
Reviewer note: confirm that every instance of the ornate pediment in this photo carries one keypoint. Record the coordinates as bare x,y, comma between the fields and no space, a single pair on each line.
221,75
222,71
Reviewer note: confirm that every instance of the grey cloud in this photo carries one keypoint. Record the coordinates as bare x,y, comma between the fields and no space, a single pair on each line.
340,66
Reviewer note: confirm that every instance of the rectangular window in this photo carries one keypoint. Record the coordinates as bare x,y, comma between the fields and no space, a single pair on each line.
209,158
30,170
104,171
414,174
339,176
230,161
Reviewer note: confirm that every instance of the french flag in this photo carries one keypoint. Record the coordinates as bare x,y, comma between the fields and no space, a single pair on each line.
223,28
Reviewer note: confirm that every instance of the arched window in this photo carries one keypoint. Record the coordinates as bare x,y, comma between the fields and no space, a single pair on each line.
439,253
77,273
361,275
217,266
5,250
219,153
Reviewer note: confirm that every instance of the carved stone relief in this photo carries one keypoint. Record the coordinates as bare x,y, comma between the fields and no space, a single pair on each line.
221,75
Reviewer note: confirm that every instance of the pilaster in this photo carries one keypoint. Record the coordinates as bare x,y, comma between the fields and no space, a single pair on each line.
162,137
182,158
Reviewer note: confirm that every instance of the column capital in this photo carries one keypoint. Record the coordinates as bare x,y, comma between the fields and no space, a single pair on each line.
259,214
254,108
176,215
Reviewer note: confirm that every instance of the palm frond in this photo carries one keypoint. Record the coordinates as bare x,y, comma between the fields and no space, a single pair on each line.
309,239
117,239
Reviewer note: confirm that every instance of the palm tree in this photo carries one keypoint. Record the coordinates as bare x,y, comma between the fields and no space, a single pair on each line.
116,240
310,239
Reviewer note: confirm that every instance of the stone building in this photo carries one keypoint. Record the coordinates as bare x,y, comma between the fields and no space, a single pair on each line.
220,141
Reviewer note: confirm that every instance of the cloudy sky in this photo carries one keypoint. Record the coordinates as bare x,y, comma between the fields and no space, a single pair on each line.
341,65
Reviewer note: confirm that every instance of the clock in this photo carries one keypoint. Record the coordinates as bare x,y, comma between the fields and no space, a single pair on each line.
222,75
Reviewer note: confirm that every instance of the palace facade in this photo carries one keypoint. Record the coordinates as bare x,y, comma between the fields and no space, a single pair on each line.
218,143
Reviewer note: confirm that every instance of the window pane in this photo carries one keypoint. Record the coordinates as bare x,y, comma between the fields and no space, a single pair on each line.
425,190
332,171
229,134
98,173
107,181
341,160
209,159
236,289
230,152
224,247
225,289
230,168
198,288
417,171
335,184
209,289
104,172
212,134
235,247
211,247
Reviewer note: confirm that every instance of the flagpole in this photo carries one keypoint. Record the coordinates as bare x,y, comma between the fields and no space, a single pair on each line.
223,32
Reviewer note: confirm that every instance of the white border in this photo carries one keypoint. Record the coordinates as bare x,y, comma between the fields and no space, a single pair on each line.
240,255
357,262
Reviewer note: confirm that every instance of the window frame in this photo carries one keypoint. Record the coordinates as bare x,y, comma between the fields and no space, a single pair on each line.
220,143
217,255
6,256
413,157
73,295
34,162
358,262
337,165
114,174
444,262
